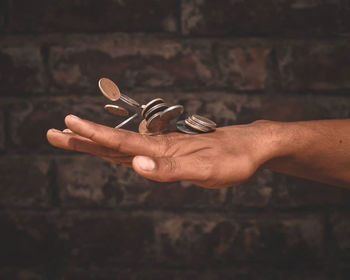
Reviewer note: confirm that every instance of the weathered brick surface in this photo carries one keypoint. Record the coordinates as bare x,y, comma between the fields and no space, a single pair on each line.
253,17
340,225
243,68
314,65
87,182
21,69
92,16
132,62
203,240
24,181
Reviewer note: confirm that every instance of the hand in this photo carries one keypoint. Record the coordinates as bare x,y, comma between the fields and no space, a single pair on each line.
226,157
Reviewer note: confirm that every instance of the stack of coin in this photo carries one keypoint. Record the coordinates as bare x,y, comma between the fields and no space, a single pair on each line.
158,115
195,124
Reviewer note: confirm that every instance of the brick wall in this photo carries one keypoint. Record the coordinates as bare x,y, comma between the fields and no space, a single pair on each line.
65,215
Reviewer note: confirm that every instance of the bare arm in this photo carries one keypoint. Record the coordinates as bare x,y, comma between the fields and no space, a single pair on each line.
317,150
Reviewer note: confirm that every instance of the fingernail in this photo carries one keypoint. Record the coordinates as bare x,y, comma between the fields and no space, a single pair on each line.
145,163
67,131
73,117
55,130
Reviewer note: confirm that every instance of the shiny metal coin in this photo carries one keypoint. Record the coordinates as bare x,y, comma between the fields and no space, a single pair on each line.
189,122
143,128
155,124
116,110
181,125
127,120
155,109
172,112
109,89
203,121
150,104
128,100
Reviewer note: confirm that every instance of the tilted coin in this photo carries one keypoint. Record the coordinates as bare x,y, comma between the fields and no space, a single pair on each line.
184,128
116,110
155,124
127,120
128,100
196,126
150,104
172,112
109,89
155,109
203,121
143,128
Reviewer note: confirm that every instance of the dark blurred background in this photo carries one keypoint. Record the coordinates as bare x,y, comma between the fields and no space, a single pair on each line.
67,216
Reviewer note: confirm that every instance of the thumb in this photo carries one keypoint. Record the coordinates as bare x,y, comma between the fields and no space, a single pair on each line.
164,169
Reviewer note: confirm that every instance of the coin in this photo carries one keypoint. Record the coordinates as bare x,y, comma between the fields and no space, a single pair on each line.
155,109
127,120
198,127
203,121
143,128
150,104
181,125
109,89
155,124
128,100
116,110
172,112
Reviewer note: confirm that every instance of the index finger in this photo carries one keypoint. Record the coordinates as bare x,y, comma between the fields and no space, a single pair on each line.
122,140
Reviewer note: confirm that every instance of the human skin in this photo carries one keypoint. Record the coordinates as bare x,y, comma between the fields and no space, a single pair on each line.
316,150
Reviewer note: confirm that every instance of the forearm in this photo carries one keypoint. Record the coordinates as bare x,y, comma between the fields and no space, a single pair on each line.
316,150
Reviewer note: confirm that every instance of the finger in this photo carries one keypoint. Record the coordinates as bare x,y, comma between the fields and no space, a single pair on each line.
70,141
167,169
124,141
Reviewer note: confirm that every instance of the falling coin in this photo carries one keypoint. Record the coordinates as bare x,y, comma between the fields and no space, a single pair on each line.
155,109
127,120
116,110
143,128
172,112
109,89
155,124
196,126
150,104
128,100
181,125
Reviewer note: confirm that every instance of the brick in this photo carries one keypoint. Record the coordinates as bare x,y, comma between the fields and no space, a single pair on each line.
29,239
314,66
296,192
340,227
132,62
254,18
2,130
242,68
9,273
21,70
89,181
29,120
24,181
92,16
205,240
107,238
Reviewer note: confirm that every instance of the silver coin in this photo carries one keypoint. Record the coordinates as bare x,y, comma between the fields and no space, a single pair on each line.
155,124
203,121
116,110
155,109
150,104
180,125
127,120
143,128
172,112
109,89
196,126
128,100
